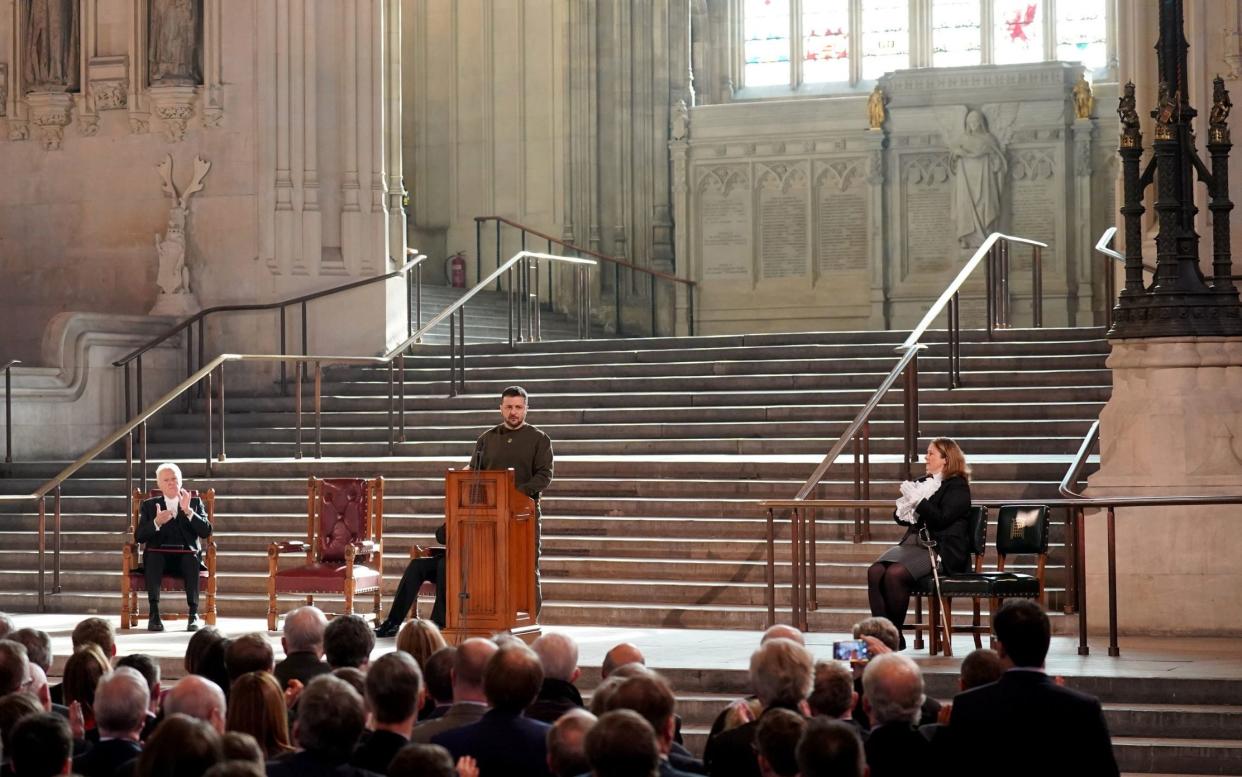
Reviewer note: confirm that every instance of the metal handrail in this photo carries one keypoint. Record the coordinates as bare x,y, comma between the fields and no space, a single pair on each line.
8,409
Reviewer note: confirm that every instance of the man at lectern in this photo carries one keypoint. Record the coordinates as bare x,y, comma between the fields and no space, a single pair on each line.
511,444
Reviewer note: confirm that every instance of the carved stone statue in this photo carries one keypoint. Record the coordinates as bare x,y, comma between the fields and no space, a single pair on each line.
173,276
680,121
875,108
979,169
1218,120
173,54
1084,101
50,46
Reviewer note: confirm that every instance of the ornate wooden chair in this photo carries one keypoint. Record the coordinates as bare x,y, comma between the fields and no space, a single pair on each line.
134,581
343,546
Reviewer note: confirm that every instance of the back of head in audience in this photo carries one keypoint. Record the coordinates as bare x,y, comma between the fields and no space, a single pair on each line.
38,646
82,673
625,653
980,667
257,707
236,768
97,630
879,627
559,655
420,638
893,690
180,746
651,697
783,631
622,744
781,673
832,693
122,699
1023,633
240,746
197,697
13,707
303,630
776,742
6,625
248,653
438,674
512,678
330,717
421,760
356,678
40,745
150,671
469,667
567,744
14,667
348,641
394,688
197,648
830,748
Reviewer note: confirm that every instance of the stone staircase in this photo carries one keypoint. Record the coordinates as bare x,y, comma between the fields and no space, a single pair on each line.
487,318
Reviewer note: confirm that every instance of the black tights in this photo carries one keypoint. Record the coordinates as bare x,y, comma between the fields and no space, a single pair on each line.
888,589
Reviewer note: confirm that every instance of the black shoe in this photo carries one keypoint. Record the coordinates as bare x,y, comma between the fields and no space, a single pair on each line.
154,623
191,622
387,629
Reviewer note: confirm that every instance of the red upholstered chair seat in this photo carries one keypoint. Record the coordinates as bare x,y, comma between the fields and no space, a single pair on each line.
172,581
325,578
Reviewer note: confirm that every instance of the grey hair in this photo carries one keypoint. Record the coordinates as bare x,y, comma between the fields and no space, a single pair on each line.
304,627
171,466
121,700
559,654
893,685
781,672
879,627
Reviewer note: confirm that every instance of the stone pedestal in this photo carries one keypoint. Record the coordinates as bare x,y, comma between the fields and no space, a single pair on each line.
1172,427
180,305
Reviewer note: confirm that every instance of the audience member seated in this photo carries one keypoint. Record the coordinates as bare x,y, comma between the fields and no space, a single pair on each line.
82,673
256,706
235,768
394,692
650,696
559,655
348,641
356,678
1069,726
240,746
469,699
150,671
746,710
882,637
438,681
621,655
567,744
776,743
204,656
6,625
831,748
780,675
121,703
893,698
13,708
181,746
38,646
248,653
199,698
330,719
833,694
14,666
622,744
423,760
97,630
980,667
40,746
504,741
302,641
420,638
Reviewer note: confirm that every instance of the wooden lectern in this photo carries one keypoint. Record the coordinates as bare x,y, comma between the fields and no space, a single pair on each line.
490,577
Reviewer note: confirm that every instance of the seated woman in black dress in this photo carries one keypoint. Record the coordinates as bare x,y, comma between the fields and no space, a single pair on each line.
944,511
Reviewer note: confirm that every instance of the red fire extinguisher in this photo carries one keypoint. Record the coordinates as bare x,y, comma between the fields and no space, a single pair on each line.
457,270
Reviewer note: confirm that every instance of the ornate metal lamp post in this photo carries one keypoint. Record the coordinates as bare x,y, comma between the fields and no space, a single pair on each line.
1180,301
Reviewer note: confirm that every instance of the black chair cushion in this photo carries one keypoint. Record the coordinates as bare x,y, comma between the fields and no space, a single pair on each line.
968,584
1012,584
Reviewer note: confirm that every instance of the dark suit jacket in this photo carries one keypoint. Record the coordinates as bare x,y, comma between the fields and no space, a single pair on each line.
732,754
1031,725
300,665
103,758
684,760
667,769
556,697
946,514
378,751
897,750
308,764
504,745
181,533
458,715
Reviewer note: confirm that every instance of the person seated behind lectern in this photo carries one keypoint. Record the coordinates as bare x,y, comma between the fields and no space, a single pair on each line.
511,444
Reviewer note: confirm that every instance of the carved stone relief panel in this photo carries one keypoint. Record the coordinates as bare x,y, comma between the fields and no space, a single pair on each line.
924,214
841,219
783,209
109,79
1036,197
725,223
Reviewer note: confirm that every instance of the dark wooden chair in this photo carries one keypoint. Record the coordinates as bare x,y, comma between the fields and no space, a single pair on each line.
133,578
344,552
924,589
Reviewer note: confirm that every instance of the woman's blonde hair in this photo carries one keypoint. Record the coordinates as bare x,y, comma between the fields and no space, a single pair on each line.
257,707
954,459
420,638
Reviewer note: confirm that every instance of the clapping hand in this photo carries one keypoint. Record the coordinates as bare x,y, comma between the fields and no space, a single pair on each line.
467,767
163,516
77,721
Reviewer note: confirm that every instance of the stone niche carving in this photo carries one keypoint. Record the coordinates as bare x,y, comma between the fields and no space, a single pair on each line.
174,106
49,113
109,82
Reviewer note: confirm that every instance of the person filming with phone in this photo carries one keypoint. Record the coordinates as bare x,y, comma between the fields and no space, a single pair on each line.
935,509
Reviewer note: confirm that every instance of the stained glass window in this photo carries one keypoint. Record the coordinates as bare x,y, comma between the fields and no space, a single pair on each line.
1082,33
956,38
885,37
1019,31
826,41
766,45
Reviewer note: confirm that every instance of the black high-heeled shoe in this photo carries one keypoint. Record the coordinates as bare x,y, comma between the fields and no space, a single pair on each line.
387,629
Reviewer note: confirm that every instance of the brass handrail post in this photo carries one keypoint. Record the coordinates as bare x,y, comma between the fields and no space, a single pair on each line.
1080,570
56,541
866,494
42,548
391,440
989,284
1037,286
220,388
297,410
284,384
1113,649
8,409
1071,564
401,400
210,409
770,570
319,408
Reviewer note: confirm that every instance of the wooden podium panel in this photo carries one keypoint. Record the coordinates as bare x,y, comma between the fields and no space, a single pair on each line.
490,576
